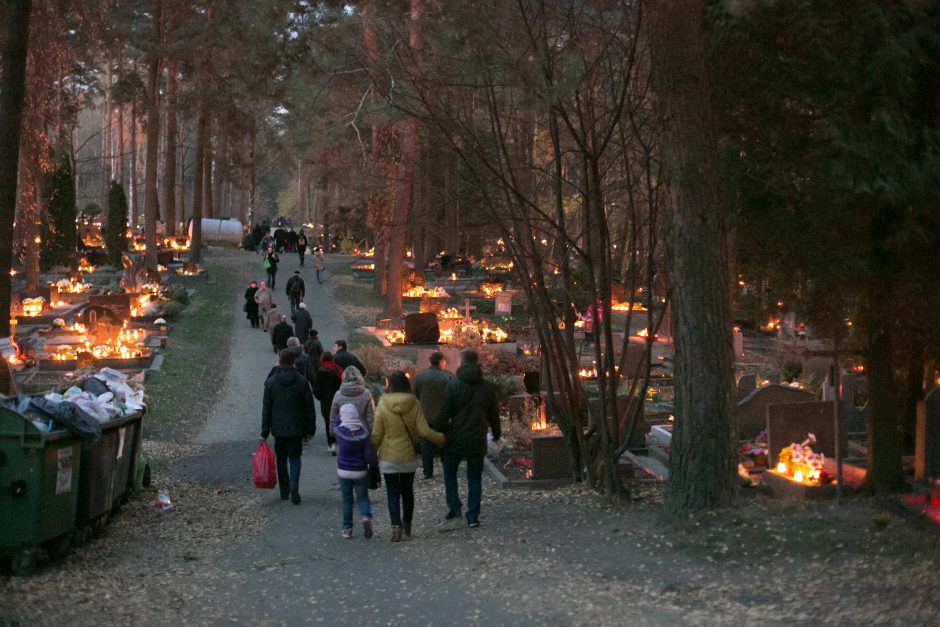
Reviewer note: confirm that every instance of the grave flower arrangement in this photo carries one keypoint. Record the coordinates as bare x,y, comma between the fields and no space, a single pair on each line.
756,449
801,463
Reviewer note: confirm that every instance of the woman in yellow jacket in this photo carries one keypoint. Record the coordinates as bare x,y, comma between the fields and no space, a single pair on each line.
399,422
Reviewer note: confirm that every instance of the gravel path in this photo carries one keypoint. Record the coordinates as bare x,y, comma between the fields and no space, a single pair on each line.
230,554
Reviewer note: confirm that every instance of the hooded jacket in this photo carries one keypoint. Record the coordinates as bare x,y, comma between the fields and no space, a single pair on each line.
354,450
399,422
470,407
288,409
353,390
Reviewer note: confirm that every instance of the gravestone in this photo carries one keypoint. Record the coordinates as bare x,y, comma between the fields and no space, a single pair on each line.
927,453
503,305
856,420
624,408
737,342
635,362
422,328
791,422
550,457
751,412
746,385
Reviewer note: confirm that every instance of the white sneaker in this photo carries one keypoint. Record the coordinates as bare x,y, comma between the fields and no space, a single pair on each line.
333,450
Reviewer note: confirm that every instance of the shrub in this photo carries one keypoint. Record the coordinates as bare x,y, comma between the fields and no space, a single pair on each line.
791,371
373,358
115,238
176,292
172,310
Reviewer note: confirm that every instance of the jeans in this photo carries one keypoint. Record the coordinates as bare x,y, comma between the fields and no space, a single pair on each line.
288,449
294,302
474,484
271,276
400,487
361,488
428,453
318,276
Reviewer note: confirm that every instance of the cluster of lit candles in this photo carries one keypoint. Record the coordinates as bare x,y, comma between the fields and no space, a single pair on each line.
489,289
419,291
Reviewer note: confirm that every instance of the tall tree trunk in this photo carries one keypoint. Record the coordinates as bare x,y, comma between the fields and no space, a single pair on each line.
251,178
181,177
702,464
219,175
106,139
208,205
153,142
169,168
202,130
132,197
120,170
14,38
885,472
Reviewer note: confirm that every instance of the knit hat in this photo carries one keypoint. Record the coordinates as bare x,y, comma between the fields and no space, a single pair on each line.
302,305
349,417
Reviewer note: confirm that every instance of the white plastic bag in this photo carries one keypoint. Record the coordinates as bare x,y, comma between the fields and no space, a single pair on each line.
493,447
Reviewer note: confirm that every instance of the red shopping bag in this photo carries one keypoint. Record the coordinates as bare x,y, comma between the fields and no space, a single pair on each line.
262,464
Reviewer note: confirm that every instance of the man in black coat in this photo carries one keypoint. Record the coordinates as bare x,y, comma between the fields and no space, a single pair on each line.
296,291
281,333
469,409
344,358
288,414
302,361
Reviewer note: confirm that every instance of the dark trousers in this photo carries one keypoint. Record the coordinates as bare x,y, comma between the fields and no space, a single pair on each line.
288,450
325,407
474,484
428,453
271,276
300,251
400,488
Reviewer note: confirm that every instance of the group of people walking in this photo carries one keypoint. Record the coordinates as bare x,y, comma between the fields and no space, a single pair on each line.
409,427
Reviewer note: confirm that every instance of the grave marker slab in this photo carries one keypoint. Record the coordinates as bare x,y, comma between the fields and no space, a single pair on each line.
751,412
503,305
550,457
791,422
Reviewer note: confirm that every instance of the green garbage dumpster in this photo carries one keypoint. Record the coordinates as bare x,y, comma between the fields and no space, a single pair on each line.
108,468
39,477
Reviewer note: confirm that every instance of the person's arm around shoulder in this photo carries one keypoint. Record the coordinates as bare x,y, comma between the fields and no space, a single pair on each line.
378,430
424,430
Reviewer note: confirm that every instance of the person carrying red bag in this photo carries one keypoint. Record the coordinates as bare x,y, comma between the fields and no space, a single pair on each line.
288,414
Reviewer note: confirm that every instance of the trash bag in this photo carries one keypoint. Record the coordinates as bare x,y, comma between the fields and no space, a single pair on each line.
94,386
262,465
69,416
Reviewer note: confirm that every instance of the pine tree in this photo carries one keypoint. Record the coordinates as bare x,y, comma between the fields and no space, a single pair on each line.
58,231
116,234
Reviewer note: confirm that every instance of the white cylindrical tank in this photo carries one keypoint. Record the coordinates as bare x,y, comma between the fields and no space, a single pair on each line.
220,231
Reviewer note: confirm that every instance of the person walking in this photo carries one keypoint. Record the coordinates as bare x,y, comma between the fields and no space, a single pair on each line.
302,361
288,414
270,265
319,263
265,299
353,391
295,291
280,334
251,305
272,318
328,381
314,348
345,359
355,455
469,408
431,390
303,322
399,421
301,246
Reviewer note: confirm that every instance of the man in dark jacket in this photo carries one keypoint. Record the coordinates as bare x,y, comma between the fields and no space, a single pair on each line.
470,407
295,291
344,358
301,360
289,415
431,389
281,333
303,322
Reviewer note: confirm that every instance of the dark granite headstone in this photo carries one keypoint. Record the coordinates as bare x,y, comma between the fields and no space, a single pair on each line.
422,328
550,458
791,422
856,419
751,412
746,384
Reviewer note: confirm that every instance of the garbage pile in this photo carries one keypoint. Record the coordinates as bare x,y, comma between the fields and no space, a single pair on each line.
81,409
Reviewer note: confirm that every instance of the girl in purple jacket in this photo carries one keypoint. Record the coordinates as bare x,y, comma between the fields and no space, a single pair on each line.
354,454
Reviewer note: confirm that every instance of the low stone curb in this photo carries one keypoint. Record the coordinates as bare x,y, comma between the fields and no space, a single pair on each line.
528,484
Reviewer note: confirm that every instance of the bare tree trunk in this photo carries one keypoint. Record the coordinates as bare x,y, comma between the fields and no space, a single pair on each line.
153,142
202,130
219,175
181,177
169,169
207,168
132,197
14,39
703,461
106,139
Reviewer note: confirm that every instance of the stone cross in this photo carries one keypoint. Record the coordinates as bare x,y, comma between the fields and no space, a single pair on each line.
467,307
